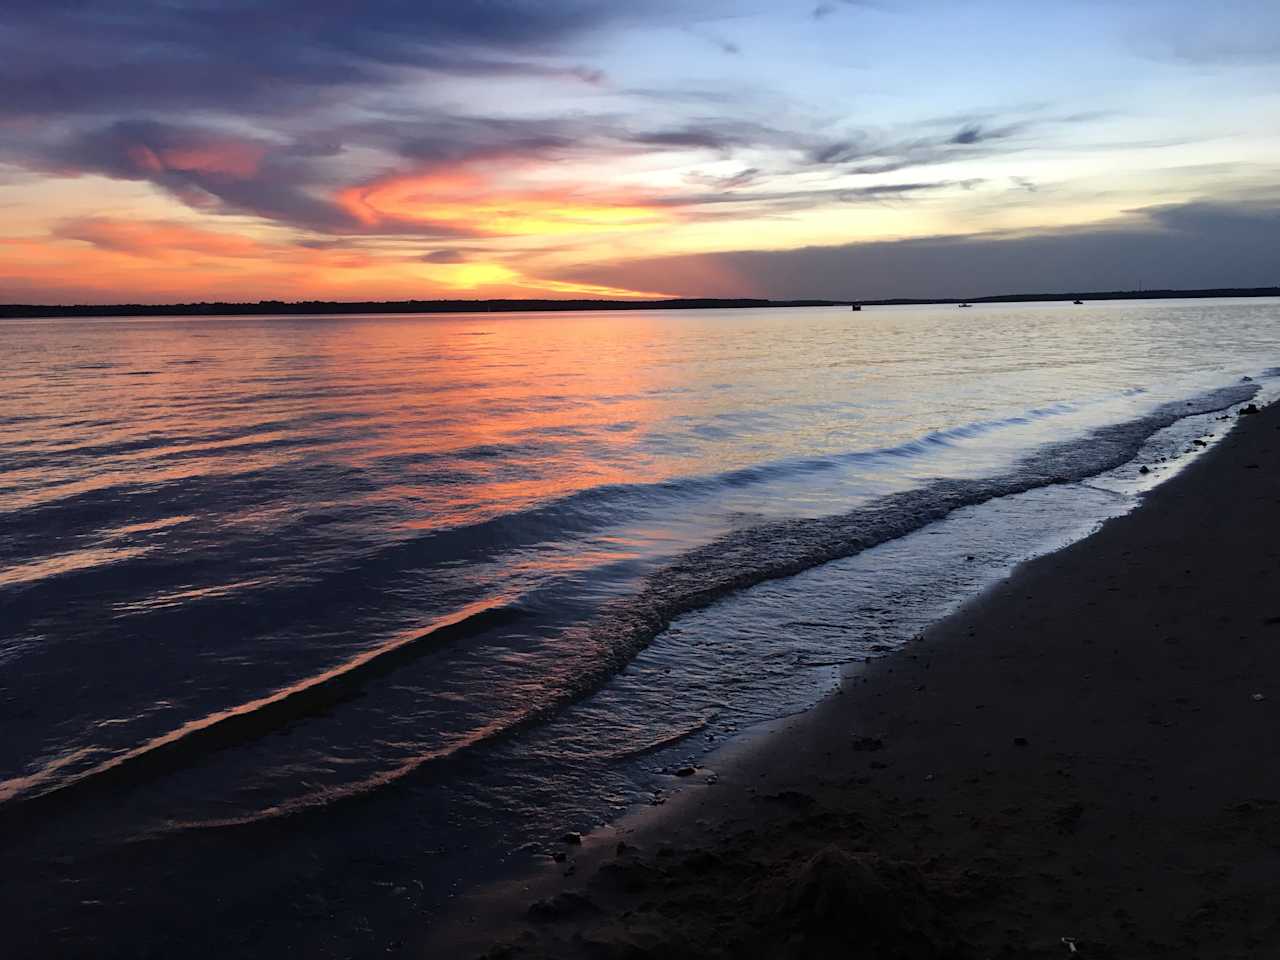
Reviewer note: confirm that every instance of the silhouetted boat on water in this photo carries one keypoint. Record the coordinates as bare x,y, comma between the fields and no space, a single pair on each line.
855,306
966,304
1077,302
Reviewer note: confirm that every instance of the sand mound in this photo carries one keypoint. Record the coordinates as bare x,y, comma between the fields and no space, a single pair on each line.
841,904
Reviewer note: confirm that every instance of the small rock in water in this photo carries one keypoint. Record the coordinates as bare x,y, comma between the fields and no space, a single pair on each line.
558,856
868,743
1251,408
686,771
1259,697
1020,741
572,837
1144,469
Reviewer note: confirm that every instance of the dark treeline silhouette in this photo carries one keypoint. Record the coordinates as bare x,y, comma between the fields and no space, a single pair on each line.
322,307
316,307
1092,295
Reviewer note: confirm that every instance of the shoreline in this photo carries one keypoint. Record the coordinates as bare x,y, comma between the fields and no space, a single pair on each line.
1069,755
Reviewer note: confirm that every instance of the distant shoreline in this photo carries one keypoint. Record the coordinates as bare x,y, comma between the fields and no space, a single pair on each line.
20,311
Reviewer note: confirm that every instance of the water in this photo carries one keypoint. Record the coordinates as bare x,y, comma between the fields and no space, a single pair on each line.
507,571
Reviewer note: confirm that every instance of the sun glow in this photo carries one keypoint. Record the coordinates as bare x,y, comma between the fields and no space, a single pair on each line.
469,276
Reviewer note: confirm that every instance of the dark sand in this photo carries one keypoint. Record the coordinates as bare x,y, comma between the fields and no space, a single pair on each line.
1081,753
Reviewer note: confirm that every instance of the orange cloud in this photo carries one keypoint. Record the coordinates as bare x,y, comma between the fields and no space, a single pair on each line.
468,202
157,238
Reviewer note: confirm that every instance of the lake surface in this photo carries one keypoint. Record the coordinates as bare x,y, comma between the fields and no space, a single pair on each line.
401,580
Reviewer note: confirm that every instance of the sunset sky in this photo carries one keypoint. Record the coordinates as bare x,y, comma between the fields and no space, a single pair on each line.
298,149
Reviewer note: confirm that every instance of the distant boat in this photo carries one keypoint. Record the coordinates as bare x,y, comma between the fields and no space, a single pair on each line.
1077,302
966,304
855,307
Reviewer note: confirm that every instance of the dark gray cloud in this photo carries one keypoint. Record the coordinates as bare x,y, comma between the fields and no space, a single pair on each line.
715,133
733,181
972,133
866,153
67,57
448,255
1189,245
937,141
783,201
206,168
432,139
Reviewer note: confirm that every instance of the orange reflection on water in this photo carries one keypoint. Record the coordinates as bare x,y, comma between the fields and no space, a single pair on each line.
480,398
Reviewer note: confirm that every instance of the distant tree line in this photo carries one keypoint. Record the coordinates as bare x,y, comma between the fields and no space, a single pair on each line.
325,307
1096,295
320,307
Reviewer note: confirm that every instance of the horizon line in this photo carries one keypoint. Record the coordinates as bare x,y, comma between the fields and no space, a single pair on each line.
20,311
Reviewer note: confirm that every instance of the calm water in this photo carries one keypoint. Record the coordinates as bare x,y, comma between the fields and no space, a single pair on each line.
505,564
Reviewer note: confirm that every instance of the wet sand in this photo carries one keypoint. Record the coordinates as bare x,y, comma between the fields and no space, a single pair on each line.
1086,752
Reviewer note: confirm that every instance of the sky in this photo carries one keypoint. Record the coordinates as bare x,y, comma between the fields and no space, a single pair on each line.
187,150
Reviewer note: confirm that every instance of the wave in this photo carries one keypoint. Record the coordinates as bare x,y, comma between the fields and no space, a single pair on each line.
696,579
261,716
783,548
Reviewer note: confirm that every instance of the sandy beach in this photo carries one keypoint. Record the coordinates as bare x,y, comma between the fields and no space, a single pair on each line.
1079,763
